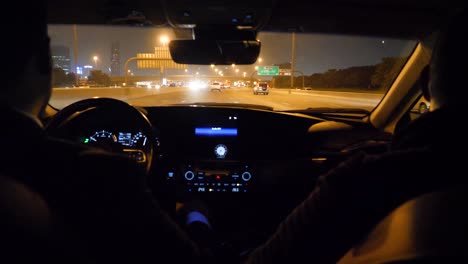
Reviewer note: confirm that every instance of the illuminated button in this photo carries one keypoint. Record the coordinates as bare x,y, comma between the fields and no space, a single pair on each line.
170,174
246,176
189,175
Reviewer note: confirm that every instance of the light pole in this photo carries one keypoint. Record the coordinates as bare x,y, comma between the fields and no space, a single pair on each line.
293,51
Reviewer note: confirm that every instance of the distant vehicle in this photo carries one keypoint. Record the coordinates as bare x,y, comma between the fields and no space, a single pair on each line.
216,86
261,88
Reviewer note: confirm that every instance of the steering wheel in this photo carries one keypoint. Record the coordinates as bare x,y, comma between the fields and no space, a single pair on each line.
109,107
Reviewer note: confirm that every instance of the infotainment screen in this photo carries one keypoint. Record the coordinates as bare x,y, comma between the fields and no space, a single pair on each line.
216,131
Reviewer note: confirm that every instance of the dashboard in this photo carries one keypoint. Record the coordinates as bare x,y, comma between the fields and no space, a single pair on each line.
250,166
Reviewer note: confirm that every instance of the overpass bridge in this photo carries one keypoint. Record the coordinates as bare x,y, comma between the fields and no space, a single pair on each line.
119,80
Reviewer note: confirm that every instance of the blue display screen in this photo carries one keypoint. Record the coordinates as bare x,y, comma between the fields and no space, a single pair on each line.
216,131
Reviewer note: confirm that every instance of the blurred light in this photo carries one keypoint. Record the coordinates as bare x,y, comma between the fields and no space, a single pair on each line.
237,70
216,70
124,84
129,71
233,65
256,67
259,59
212,65
186,70
164,39
95,58
197,73
197,85
88,66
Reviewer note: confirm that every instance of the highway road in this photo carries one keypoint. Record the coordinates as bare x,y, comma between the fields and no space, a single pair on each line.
279,99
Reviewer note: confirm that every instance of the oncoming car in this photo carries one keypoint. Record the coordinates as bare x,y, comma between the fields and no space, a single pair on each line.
250,160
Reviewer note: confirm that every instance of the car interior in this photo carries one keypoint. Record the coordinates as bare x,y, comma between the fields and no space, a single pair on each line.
262,162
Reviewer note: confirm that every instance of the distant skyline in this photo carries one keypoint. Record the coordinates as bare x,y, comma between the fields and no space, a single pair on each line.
315,53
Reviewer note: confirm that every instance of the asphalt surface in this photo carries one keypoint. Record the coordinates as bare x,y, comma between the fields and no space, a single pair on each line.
279,99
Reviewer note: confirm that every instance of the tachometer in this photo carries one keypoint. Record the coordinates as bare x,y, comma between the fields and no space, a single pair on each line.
139,140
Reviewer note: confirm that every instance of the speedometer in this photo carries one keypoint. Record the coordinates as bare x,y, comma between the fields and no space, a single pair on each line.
102,136
139,140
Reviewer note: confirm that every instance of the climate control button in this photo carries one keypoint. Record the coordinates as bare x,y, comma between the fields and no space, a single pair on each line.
246,176
189,175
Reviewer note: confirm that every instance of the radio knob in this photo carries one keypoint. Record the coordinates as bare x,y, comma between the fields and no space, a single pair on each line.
189,175
246,176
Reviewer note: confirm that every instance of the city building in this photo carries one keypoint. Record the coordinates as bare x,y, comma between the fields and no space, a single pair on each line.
115,59
61,58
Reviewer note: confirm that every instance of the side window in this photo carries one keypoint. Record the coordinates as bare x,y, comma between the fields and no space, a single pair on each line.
418,109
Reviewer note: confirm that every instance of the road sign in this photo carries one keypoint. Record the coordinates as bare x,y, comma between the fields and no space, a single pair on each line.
285,72
268,70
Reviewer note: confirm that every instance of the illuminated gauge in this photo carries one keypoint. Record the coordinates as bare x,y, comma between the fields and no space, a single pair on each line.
101,136
139,139
221,151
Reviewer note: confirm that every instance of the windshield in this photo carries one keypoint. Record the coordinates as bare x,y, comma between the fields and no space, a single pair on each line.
301,70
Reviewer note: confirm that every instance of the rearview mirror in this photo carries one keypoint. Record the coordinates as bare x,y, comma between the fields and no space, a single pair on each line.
219,52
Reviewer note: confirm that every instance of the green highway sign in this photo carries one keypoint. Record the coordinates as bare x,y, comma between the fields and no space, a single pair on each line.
268,70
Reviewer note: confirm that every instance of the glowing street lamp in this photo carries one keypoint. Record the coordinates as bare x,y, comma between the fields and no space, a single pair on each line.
164,40
95,59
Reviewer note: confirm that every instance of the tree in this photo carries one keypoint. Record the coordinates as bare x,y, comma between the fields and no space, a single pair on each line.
99,78
59,77
70,78
386,71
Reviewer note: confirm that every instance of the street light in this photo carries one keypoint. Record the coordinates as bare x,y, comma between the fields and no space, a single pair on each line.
164,40
95,58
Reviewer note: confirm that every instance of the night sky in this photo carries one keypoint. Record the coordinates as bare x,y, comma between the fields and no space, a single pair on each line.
314,52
